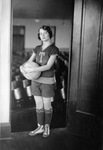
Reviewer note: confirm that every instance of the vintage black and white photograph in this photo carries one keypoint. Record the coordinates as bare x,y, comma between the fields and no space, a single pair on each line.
51,75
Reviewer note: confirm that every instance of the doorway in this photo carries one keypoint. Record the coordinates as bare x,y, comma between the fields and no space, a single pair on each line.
23,116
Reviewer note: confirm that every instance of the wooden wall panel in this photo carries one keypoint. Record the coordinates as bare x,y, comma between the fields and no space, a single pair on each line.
89,57
75,50
86,84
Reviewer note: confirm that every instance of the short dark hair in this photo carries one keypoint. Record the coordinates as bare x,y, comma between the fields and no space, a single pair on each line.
48,29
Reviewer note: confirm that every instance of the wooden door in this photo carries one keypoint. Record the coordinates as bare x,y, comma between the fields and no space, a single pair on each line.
18,39
86,77
18,44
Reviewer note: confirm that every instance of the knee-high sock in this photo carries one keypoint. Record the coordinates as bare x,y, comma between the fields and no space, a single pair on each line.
40,116
48,115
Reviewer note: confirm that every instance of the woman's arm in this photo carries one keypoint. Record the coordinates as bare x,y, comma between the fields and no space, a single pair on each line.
29,60
47,66
32,57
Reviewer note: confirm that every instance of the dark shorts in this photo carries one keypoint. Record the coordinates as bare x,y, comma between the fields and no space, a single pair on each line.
41,89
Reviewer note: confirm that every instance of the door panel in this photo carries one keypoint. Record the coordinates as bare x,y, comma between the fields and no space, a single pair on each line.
18,43
18,39
86,84
89,55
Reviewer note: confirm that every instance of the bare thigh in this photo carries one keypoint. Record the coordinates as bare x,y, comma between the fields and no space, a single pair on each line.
47,103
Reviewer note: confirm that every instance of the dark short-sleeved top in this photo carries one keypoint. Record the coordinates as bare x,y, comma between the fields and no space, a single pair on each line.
42,58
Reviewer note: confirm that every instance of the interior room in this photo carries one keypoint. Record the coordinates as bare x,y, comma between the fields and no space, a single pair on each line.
77,119
26,23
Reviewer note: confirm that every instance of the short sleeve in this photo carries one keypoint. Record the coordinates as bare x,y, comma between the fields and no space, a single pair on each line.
54,51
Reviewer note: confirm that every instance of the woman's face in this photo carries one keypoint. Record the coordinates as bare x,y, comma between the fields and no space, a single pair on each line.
44,35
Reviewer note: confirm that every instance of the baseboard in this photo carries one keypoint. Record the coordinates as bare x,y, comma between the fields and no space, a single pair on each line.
5,130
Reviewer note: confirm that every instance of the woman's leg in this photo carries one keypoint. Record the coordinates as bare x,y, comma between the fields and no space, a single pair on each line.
40,116
39,110
48,115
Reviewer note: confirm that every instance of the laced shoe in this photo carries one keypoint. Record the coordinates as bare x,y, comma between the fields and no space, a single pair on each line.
39,130
46,132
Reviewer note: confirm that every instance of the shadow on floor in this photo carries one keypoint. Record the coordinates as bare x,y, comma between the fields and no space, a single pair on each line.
59,139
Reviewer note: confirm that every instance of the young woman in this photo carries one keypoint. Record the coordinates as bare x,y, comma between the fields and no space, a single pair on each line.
43,88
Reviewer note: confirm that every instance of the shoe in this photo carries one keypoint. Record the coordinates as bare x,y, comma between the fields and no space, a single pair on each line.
39,130
46,132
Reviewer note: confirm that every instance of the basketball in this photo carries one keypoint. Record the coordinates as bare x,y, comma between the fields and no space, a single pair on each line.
30,75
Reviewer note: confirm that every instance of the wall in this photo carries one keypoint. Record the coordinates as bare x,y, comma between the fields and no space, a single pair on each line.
5,60
5,17
63,32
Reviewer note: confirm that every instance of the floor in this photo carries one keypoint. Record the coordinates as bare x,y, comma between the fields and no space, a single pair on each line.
59,139
23,120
